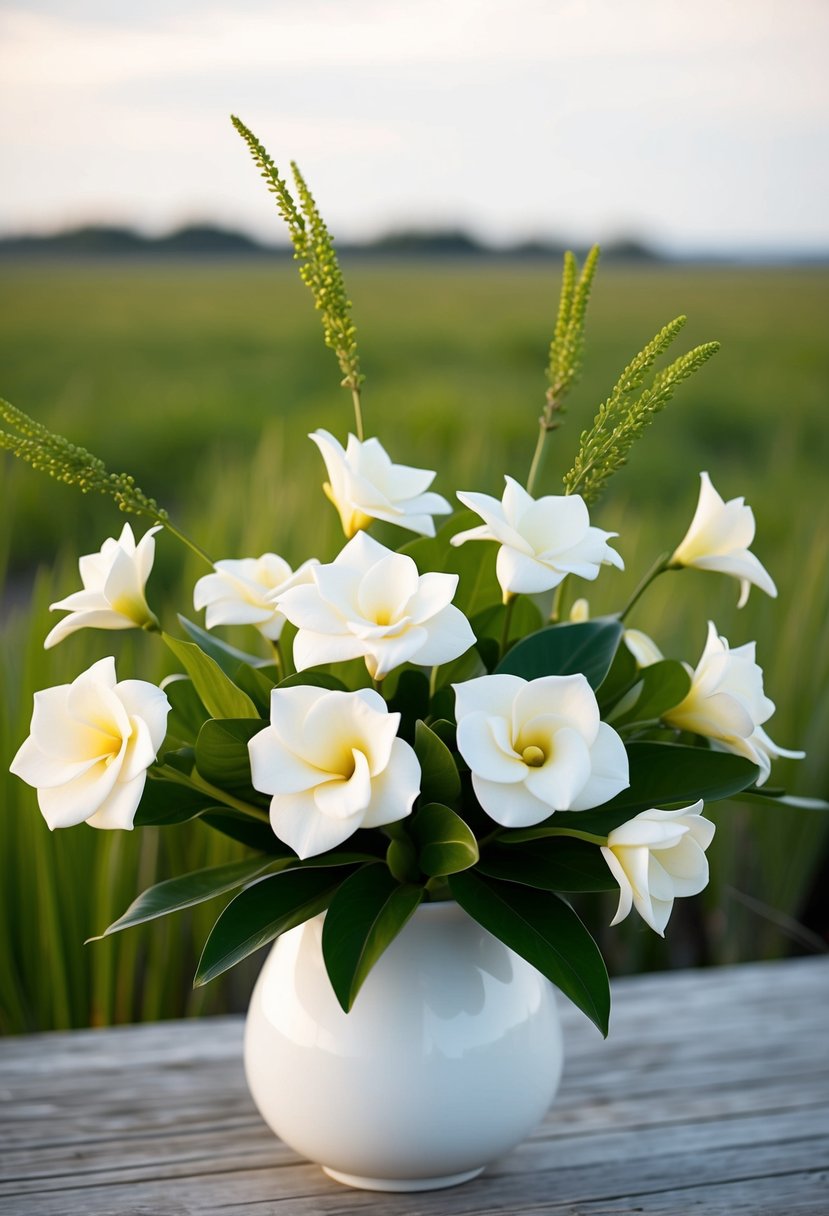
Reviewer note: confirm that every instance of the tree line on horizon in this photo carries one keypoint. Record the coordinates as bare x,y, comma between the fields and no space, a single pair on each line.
208,240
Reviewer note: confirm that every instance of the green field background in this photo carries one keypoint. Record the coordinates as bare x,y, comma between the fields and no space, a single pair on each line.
204,379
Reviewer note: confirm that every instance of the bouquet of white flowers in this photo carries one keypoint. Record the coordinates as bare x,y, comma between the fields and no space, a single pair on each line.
422,723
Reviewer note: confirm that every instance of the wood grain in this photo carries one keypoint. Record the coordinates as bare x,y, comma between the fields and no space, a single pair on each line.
711,1095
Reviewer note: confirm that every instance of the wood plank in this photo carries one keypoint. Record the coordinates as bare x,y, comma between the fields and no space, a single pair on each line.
712,1094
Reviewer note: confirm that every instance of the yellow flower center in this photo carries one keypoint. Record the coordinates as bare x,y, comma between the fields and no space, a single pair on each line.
533,756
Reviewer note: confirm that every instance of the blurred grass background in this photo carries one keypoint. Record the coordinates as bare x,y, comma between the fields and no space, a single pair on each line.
203,380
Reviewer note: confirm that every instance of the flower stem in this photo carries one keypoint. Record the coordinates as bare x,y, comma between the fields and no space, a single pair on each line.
246,808
185,540
536,460
279,660
555,612
658,567
590,837
507,623
358,412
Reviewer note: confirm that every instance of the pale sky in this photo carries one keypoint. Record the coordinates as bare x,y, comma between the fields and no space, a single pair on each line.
699,124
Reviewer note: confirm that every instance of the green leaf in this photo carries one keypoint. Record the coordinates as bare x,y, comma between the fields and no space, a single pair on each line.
410,699
558,863
401,858
187,713
525,619
258,683
545,931
169,801
447,844
662,774
218,692
177,893
226,656
468,667
222,755
620,677
559,650
781,798
439,780
263,911
662,686
474,563
446,731
365,915
313,678
252,832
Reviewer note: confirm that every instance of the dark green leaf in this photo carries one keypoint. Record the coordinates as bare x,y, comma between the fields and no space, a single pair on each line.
218,692
781,798
313,679
222,755
525,619
164,802
364,917
258,683
447,844
401,858
439,780
261,912
620,677
558,863
559,650
665,773
410,699
545,931
445,730
184,892
474,563
227,657
253,832
187,713
661,686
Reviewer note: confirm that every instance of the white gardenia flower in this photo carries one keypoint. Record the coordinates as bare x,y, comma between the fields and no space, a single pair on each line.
371,603
113,588
363,485
90,746
719,538
333,763
726,703
657,856
542,540
244,592
643,648
537,746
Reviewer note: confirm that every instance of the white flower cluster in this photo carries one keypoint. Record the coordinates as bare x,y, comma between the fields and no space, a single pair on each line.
332,761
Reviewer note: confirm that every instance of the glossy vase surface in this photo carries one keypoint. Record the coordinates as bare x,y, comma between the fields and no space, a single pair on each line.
449,1057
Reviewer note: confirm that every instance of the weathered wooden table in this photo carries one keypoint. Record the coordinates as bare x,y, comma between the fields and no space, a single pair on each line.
711,1095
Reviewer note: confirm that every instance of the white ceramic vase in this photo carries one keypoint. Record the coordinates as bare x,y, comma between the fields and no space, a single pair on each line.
450,1056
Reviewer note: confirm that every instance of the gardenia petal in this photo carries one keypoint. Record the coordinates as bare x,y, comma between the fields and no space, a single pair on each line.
542,540
332,763
719,538
364,484
726,703
608,767
643,648
113,588
656,857
244,592
371,602
534,747
90,746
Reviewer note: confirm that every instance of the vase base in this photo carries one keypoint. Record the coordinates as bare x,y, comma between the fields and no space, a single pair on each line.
402,1184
